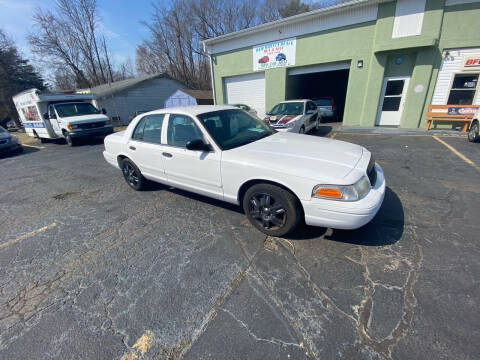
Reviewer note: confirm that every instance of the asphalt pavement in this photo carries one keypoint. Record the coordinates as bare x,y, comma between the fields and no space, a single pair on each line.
90,269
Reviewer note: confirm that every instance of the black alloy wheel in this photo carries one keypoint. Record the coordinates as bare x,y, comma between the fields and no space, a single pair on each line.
273,210
267,211
132,175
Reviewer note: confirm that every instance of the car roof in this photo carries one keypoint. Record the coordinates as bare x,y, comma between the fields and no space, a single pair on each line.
192,110
297,100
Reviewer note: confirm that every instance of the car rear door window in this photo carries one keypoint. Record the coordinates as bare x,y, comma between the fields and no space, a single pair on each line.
181,130
138,132
153,128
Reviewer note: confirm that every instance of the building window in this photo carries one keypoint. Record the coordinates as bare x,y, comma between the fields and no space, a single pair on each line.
463,89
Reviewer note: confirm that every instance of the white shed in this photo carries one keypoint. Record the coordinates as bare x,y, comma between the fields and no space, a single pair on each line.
187,97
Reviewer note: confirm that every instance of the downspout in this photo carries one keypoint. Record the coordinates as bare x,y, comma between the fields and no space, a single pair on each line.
211,73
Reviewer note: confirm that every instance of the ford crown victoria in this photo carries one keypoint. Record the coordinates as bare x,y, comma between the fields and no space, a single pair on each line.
279,178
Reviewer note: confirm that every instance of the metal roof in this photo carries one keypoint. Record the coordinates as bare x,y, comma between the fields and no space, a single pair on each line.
117,86
199,94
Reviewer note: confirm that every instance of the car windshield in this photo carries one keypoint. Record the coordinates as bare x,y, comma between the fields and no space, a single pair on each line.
290,108
76,109
323,102
234,128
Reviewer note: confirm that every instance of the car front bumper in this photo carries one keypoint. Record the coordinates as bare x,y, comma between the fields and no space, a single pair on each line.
347,215
101,131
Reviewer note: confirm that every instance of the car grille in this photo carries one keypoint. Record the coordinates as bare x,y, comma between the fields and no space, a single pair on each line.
92,125
371,172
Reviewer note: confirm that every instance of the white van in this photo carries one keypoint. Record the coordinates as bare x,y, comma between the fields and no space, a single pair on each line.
68,116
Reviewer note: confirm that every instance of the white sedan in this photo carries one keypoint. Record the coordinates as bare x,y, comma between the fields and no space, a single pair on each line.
225,153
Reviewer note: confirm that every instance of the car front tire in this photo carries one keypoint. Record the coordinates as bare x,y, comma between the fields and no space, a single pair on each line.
473,133
133,176
69,139
273,210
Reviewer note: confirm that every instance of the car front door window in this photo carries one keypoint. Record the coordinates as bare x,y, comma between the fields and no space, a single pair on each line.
181,130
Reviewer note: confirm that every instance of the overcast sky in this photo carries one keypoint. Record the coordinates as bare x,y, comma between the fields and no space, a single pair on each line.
120,23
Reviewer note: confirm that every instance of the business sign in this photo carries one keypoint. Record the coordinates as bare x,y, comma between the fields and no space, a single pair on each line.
471,62
274,54
461,110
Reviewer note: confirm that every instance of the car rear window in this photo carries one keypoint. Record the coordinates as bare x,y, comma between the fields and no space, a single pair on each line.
323,102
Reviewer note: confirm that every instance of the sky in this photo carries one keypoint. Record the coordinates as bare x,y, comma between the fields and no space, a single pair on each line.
120,23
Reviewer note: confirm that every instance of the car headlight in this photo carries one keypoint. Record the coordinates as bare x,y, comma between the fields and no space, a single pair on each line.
290,124
353,192
71,127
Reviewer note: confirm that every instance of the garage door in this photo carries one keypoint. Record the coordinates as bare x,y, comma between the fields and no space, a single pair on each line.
247,89
333,66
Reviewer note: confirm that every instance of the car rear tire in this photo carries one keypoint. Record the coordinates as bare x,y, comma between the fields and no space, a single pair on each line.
271,209
133,176
473,133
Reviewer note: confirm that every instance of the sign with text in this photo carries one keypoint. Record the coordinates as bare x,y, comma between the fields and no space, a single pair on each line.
274,54
461,110
471,62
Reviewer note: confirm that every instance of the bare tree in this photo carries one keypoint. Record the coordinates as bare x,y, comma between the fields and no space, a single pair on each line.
68,39
177,32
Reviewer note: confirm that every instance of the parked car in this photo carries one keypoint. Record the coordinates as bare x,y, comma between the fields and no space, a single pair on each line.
300,116
473,130
327,108
246,108
263,60
9,143
225,153
281,57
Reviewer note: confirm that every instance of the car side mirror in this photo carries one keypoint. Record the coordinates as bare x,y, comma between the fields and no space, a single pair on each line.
104,112
268,113
309,112
198,145
45,116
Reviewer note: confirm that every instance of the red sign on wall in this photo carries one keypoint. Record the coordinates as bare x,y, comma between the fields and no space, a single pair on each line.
471,61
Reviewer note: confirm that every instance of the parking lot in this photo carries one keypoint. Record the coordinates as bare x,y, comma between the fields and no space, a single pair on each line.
90,269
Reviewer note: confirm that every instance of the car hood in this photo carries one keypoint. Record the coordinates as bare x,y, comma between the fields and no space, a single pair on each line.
85,118
312,157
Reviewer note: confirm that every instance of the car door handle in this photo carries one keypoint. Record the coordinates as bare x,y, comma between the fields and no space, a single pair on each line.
132,148
168,155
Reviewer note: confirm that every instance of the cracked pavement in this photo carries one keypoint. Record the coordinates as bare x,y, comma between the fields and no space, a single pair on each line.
90,269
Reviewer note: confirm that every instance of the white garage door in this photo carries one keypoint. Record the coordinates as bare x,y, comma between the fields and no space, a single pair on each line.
247,89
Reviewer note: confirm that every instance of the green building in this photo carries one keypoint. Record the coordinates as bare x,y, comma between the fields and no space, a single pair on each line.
383,62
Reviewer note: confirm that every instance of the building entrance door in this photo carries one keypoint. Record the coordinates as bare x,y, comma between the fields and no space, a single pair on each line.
392,100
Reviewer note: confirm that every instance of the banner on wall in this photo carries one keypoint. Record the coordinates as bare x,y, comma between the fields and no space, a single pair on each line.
274,54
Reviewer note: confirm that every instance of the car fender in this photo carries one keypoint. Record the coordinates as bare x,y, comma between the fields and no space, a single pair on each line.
263,179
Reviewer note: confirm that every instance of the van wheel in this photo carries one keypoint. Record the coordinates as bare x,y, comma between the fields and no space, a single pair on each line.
132,175
473,133
69,139
272,209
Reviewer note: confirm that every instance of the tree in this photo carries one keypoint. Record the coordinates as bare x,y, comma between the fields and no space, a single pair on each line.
294,7
16,75
68,39
177,32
